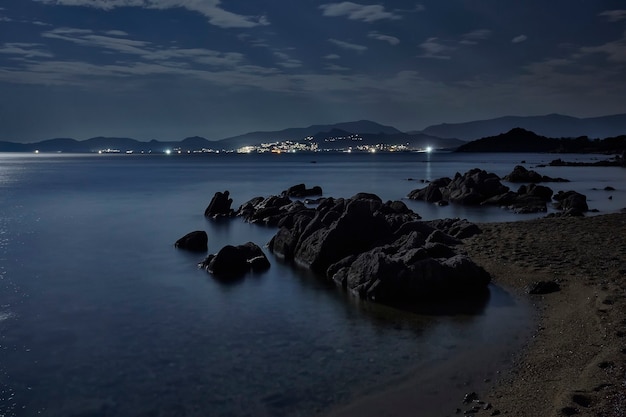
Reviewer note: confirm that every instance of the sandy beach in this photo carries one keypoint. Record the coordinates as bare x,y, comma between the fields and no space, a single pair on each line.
574,360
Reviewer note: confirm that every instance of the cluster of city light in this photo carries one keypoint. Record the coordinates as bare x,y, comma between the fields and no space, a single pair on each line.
286,146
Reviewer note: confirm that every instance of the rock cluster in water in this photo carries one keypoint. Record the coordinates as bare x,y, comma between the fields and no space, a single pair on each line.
478,187
377,250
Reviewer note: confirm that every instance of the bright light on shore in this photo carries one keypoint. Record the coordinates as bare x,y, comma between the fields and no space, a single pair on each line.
429,149
168,151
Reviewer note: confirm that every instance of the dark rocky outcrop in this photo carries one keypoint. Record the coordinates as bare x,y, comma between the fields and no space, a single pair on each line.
617,161
220,206
471,188
194,241
521,174
571,203
379,250
270,210
477,187
235,261
300,191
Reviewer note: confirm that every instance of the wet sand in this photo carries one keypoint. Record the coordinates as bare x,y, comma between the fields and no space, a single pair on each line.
574,361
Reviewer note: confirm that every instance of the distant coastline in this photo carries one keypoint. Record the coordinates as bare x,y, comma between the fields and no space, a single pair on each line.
550,134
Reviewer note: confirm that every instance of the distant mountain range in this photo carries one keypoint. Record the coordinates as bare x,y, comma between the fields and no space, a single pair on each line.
551,125
442,136
326,136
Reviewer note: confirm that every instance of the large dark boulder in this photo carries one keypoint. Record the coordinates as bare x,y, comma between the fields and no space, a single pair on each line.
571,203
401,272
220,206
359,228
234,261
194,241
269,210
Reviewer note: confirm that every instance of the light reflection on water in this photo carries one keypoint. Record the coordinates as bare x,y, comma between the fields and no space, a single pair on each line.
103,317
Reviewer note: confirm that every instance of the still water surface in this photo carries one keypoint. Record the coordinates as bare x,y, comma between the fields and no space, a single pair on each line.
101,316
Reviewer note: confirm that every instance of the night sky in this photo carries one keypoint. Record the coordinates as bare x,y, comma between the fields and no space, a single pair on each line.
168,69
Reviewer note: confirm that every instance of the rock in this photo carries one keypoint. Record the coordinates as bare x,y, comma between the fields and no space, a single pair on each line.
469,397
458,228
193,241
220,206
234,261
609,188
268,210
380,251
471,188
300,190
531,199
543,287
571,203
521,174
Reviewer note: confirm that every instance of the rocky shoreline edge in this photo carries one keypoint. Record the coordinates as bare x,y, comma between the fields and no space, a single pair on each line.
574,363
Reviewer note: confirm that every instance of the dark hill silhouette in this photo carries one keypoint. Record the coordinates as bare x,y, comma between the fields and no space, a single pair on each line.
551,125
298,133
521,140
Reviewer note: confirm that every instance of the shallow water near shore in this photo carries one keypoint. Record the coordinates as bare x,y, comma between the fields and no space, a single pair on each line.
101,316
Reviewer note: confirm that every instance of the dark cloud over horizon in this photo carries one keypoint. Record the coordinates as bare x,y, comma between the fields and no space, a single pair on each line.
167,69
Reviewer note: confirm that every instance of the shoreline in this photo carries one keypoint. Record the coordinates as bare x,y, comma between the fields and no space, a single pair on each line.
574,361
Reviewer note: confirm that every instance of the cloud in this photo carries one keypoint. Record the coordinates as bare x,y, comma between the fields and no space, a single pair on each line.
332,56
614,51
25,50
392,40
434,49
614,15
519,39
348,46
116,33
336,68
286,61
211,9
354,11
473,37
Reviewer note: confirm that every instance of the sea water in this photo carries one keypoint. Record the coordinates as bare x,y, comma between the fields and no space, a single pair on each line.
101,316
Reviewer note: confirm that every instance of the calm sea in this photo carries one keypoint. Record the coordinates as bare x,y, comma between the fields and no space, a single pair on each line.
101,316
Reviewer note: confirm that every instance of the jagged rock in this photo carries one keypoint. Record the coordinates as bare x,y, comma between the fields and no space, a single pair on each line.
521,174
300,190
471,188
220,206
193,241
233,261
458,228
571,203
379,250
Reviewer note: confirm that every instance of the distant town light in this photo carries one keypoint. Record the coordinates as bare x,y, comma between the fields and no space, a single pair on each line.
429,149
168,151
